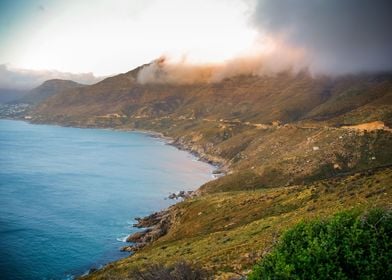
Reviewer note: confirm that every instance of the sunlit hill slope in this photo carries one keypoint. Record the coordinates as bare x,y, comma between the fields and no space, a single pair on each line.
290,146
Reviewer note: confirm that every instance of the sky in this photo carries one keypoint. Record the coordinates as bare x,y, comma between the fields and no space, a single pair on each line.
340,36
112,36
88,39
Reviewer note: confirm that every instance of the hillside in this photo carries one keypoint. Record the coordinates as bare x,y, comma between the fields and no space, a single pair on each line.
284,97
47,89
291,147
228,232
276,130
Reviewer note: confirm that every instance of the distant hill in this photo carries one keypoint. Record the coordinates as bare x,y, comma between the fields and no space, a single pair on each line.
9,95
48,89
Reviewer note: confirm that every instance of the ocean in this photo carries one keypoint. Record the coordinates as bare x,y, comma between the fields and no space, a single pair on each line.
69,196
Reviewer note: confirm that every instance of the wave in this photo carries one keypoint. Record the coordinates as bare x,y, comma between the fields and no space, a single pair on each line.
122,239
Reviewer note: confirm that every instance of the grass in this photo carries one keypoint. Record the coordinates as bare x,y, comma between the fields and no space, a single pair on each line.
228,232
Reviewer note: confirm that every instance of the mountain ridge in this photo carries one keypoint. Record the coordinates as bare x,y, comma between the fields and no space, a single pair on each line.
285,97
289,146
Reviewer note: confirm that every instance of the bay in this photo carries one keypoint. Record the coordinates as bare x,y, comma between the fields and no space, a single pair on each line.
68,196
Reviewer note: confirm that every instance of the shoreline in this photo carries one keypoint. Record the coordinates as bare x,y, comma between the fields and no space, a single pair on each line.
158,223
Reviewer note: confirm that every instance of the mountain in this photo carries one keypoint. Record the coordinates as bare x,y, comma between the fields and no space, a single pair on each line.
289,147
48,89
284,97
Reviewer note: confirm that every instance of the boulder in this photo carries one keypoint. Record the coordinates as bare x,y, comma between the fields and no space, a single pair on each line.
137,236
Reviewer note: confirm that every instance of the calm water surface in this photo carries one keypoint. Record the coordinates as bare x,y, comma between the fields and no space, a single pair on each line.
68,196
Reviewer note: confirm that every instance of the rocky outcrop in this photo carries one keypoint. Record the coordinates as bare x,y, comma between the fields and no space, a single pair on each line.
156,225
182,194
137,236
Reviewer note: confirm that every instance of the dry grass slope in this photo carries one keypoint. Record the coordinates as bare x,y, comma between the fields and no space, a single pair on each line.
228,232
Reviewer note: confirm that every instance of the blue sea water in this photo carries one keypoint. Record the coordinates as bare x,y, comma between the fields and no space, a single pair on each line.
68,196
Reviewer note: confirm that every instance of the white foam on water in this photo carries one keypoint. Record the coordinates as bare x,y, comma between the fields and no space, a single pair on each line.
122,239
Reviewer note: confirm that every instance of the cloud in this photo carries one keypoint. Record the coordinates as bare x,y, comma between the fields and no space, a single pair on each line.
339,36
163,70
14,78
322,36
108,37
273,57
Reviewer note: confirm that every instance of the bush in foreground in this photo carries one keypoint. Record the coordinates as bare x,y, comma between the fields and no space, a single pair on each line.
349,245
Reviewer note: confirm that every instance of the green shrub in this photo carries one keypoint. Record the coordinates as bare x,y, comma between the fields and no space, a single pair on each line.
349,245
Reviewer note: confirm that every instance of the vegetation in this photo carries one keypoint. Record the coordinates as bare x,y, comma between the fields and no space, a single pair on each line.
285,97
179,271
347,246
280,138
226,233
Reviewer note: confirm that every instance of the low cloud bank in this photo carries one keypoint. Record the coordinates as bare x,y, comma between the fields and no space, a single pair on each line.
272,58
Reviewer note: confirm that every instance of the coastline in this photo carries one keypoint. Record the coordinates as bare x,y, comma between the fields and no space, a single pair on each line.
191,233
158,223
